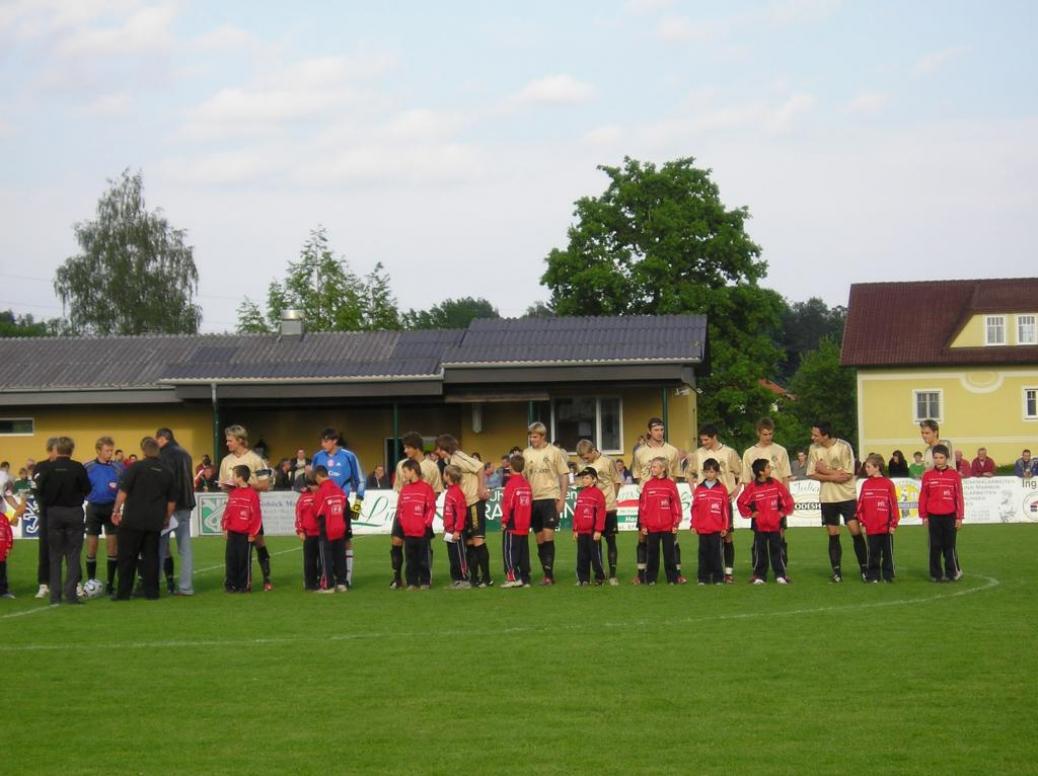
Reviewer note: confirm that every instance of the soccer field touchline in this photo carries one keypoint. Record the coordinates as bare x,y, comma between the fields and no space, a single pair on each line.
224,565
989,584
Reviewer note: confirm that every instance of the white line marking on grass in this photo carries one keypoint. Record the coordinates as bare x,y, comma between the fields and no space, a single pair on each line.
222,565
28,611
990,583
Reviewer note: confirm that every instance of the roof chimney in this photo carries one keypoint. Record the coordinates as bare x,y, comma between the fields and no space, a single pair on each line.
291,323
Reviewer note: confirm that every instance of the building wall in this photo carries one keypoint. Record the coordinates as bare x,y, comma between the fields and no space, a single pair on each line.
981,408
973,333
192,427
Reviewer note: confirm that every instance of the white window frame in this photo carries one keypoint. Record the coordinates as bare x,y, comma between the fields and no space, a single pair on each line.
598,419
940,404
19,434
990,320
1034,327
1023,395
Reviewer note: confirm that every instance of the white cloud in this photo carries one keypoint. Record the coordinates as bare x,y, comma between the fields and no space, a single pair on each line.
145,31
553,90
781,119
753,117
868,103
679,29
115,104
424,124
647,6
928,64
799,11
604,136
224,38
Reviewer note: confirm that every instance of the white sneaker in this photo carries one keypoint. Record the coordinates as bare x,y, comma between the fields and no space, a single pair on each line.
782,581
510,584
758,581
614,582
958,576
325,590
80,592
341,588
43,592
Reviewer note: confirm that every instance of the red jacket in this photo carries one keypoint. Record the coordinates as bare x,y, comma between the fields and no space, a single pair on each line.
306,518
767,502
517,506
455,510
940,493
242,512
877,505
659,505
416,508
7,537
330,503
589,513
711,509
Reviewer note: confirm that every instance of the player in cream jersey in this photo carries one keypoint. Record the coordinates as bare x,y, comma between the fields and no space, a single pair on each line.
547,470
240,454
655,446
730,475
608,481
777,455
830,461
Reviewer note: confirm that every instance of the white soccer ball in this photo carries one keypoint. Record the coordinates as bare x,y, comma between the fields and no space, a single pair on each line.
93,588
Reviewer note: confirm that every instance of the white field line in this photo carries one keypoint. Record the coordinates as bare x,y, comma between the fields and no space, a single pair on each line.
194,573
990,583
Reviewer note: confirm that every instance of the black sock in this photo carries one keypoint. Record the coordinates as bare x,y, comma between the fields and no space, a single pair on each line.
113,564
484,562
677,556
549,559
167,566
641,558
835,553
729,557
611,554
472,558
91,567
540,557
396,560
785,552
264,562
861,549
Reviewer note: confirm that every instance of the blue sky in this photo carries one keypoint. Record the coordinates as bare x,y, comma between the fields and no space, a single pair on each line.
870,140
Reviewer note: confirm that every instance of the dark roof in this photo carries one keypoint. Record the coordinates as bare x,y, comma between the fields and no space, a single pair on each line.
914,324
628,339
147,362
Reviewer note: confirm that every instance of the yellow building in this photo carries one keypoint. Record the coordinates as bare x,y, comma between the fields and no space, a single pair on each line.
600,378
962,352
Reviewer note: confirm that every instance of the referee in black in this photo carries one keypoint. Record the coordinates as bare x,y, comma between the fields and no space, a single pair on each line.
146,500
61,489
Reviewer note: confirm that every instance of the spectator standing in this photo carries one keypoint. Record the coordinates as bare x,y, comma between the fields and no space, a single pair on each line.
494,477
283,475
378,479
1026,466
177,461
962,466
897,466
983,466
62,488
299,464
798,467
624,474
206,480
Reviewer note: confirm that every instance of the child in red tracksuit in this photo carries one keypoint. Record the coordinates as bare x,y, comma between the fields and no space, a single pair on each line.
589,516
415,509
516,511
309,534
942,509
241,523
455,512
10,512
659,512
766,501
711,520
331,509
879,513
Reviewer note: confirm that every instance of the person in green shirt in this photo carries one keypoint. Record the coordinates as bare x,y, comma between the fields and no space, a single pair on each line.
916,468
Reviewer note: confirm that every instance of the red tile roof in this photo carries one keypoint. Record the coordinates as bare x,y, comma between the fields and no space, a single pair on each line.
913,324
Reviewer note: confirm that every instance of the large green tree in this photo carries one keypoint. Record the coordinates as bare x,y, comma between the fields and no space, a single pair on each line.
659,240
134,273
329,294
450,314
824,390
804,326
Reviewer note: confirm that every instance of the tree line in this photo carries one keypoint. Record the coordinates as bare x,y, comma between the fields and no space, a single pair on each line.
658,240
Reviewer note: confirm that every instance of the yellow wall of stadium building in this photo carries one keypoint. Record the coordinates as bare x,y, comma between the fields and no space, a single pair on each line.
979,408
973,333
127,425
503,424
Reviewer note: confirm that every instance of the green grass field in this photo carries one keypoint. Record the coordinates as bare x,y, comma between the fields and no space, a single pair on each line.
811,678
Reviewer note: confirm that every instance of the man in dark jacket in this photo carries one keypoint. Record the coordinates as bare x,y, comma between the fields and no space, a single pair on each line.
178,461
146,500
61,488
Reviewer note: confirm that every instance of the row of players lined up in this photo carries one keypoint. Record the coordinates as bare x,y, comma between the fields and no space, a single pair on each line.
545,469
